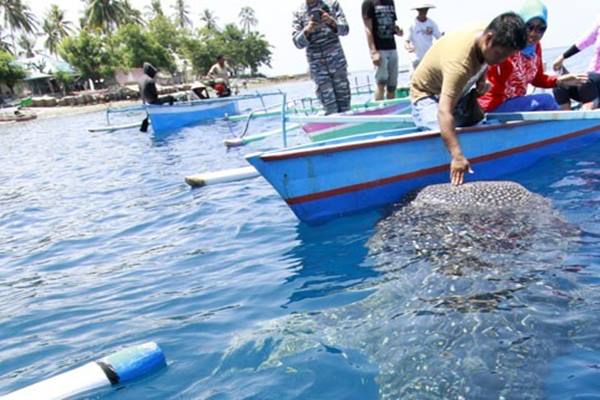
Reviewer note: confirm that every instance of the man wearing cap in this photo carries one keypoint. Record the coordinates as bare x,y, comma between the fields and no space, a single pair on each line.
421,33
379,17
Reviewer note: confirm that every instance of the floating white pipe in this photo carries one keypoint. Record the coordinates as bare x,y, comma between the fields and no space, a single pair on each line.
121,367
110,128
227,175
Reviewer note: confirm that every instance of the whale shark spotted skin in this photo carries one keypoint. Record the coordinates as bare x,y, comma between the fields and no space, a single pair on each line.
473,298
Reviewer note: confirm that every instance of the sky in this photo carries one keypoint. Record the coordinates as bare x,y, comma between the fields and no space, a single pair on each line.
567,21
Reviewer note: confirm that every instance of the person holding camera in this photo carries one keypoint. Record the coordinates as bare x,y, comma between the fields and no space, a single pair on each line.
317,26
379,17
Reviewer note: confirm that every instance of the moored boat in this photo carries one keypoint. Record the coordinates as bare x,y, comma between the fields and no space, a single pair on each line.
324,180
166,118
330,130
20,117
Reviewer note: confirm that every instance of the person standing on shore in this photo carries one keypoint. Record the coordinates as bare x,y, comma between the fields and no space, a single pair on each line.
317,26
421,33
379,17
441,88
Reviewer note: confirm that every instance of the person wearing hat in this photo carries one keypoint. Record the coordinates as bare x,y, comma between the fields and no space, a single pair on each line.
379,17
421,33
148,89
149,93
441,88
510,79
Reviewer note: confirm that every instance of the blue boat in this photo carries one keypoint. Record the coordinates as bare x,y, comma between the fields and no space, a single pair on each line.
328,179
166,118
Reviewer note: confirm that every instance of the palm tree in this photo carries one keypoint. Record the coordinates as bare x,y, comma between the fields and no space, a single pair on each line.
17,16
247,18
56,28
209,19
155,9
131,15
182,18
26,44
104,15
4,43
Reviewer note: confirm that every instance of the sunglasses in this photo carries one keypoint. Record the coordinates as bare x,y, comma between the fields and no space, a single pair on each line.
539,28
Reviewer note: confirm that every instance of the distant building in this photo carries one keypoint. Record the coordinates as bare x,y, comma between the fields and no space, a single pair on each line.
40,71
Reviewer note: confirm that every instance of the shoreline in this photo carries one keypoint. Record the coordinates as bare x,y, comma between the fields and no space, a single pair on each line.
57,111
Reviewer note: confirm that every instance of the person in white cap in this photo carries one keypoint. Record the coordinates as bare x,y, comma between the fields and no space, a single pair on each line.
421,33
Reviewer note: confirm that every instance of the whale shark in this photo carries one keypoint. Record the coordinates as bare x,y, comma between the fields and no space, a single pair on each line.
474,298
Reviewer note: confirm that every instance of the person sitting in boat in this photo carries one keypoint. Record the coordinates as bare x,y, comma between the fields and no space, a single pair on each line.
148,88
588,93
440,89
509,80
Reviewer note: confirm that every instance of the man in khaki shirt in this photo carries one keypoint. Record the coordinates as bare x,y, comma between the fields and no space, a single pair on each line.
455,63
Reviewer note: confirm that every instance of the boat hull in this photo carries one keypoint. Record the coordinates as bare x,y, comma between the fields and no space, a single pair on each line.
167,118
334,178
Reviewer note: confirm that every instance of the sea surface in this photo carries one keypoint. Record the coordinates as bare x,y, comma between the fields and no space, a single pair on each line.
103,246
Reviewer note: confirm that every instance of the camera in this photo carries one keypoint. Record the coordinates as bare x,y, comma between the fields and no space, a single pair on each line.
316,15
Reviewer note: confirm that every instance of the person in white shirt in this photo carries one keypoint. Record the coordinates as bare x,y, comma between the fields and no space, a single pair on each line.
421,33
220,70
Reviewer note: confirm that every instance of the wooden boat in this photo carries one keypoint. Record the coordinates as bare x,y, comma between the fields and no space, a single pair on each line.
166,118
317,131
12,117
328,179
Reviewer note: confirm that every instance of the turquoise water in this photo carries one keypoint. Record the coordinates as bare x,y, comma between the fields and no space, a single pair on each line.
102,246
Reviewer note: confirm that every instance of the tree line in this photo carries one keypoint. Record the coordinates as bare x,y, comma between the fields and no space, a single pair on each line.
114,35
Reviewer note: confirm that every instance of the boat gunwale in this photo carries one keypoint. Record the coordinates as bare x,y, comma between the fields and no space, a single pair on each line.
321,148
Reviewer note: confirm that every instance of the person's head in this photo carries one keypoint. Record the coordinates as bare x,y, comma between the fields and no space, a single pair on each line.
150,70
504,36
221,60
535,15
422,8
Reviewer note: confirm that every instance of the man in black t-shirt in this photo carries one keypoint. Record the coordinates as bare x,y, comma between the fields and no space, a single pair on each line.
379,17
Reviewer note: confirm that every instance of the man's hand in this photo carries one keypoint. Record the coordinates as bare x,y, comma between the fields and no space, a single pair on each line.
572,80
310,28
326,18
458,167
398,31
376,58
408,46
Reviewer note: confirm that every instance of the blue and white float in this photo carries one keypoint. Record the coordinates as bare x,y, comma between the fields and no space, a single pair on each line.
121,367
